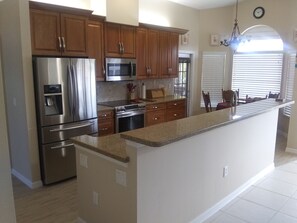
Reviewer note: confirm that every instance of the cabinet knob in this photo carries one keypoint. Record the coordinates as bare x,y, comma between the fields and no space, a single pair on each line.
175,115
103,129
175,104
155,118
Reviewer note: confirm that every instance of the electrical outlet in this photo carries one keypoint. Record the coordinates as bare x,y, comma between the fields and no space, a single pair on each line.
95,198
83,160
225,171
121,177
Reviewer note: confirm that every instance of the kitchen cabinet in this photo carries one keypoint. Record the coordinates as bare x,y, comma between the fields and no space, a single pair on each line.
147,53
95,47
119,40
155,113
54,33
168,54
175,110
105,122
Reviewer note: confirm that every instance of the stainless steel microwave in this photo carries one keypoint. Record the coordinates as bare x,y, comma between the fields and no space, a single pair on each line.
120,69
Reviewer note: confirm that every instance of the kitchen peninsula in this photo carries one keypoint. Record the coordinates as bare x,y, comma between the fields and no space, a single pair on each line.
178,171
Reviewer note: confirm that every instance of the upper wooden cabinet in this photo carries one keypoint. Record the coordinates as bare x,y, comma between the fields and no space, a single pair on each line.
95,47
147,53
57,34
119,40
168,54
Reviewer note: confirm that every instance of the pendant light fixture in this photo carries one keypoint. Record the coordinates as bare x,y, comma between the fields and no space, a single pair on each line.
236,37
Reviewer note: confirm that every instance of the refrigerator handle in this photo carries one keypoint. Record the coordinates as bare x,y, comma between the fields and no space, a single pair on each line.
72,127
74,91
70,90
63,146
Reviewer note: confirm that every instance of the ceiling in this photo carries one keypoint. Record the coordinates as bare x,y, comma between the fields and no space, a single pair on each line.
205,4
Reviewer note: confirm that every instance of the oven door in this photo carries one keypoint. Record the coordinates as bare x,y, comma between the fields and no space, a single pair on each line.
130,120
118,69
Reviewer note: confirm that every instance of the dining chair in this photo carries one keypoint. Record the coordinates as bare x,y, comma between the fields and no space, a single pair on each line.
207,102
275,95
230,97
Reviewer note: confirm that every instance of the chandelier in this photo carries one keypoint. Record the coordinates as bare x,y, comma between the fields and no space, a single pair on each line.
236,37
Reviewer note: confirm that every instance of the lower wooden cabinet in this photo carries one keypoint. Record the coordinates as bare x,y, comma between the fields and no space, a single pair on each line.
175,110
155,113
164,112
105,122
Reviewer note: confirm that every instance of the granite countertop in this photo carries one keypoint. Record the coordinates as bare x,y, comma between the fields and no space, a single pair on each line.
114,146
169,132
147,101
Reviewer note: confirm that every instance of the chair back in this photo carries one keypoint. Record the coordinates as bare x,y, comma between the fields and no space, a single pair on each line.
230,96
207,103
271,95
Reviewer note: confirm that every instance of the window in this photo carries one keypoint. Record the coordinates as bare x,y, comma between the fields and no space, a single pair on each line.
180,83
289,70
213,72
256,74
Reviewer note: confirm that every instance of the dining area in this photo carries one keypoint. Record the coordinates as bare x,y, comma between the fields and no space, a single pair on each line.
231,98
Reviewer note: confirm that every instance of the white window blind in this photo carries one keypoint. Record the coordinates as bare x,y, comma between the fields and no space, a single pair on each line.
256,74
213,72
289,70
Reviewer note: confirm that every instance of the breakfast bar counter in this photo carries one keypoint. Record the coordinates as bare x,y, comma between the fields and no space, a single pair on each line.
176,171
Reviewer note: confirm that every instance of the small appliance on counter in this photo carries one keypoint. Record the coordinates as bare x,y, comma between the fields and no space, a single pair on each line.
65,95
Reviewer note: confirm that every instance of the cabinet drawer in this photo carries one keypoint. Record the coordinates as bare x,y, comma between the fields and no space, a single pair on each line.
176,104
155,117
105,127
109,114
154,107
175,114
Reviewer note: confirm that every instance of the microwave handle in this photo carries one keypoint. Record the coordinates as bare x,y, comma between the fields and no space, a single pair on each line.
132,71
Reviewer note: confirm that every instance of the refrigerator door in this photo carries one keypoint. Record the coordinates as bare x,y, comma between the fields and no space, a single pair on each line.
84,89
51,76
58,162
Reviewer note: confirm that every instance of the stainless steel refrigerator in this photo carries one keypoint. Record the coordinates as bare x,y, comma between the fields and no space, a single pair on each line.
65,94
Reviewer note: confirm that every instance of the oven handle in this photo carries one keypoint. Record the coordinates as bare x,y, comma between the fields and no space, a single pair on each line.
130,113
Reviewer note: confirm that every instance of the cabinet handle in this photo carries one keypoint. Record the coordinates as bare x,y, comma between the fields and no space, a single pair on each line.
120,47
103,70
60,43
123,48
155,107
174,115
155,118
103,129
175,104
169,70
104,115
64,44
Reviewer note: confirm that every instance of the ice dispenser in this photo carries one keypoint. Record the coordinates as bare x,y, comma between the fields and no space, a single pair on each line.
53,99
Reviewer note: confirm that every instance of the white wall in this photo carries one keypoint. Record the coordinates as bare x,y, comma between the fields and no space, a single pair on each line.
17,71
7,210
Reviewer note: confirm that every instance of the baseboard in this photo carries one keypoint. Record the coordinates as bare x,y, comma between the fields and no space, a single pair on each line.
208,213
79,220
29,183
291,150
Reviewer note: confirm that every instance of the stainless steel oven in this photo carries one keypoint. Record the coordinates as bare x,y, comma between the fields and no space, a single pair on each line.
129,118
119,69
129,115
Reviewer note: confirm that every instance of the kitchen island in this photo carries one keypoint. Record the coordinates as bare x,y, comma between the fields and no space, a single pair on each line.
178,171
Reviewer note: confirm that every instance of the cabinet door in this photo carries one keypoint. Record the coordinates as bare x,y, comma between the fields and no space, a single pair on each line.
153,52
155,117
164,52
45,30
95,47
112,40
168,54
173,63
128,41
141,53
73,32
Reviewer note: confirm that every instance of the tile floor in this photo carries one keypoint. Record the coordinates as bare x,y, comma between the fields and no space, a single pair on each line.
273,199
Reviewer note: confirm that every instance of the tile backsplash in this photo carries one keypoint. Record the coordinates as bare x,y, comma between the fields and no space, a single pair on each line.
110,91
